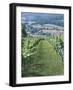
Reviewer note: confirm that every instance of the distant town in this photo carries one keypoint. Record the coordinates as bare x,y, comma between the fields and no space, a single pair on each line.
36,30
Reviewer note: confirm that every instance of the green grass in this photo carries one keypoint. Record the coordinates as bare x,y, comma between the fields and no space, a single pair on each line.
44,60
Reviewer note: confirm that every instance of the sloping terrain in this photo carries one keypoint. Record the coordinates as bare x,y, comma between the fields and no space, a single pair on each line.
44,62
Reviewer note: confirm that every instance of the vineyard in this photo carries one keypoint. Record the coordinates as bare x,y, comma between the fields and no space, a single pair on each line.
42,44
42,56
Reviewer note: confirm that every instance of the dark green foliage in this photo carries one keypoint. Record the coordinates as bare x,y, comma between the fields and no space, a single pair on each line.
24,34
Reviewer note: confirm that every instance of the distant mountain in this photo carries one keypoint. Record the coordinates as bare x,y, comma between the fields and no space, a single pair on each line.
42,18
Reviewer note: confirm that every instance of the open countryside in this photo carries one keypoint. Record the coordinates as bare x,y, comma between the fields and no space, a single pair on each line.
42,44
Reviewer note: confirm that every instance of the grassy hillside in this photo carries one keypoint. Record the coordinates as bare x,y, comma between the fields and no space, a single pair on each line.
40,59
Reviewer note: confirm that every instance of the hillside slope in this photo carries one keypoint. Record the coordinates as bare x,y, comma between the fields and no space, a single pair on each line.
45,62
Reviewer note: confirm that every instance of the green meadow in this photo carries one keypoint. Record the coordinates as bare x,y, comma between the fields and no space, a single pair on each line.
42,56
